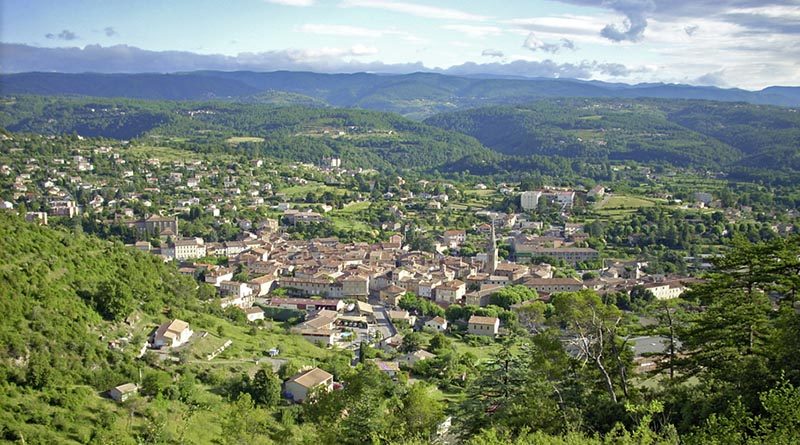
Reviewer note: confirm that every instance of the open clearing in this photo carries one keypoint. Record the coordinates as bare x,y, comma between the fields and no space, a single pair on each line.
623,202
242,139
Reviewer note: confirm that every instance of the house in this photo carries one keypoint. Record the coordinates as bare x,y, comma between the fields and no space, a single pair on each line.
307,304
483,325
481,296
355,286
596,192
320,329
254,314
571,255
300,386
391,344
389,368
366,310
451,292
454,238
261,285
410,359
236,294
391,295
530,200
514,272
402,316
436,323
172,334
552,285
122,393
189,248
666,290
217,276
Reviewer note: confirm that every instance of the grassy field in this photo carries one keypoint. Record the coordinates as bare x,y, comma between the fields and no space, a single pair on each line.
624,202
300,191
352,208
479,193
249,343
163,153
235,140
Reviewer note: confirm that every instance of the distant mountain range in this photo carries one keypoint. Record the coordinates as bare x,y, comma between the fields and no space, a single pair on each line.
416,95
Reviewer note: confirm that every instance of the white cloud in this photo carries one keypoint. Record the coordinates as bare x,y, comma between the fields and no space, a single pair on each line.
492,53
340,30
292,2
415,9
475,30
534,44
329,52
564,24
356,31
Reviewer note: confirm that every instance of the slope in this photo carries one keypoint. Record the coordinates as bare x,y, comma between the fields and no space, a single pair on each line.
367,139
611,129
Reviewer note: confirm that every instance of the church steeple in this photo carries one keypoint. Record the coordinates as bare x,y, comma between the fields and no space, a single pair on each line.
491,253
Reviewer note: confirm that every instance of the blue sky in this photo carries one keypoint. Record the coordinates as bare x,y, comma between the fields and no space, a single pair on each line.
743,43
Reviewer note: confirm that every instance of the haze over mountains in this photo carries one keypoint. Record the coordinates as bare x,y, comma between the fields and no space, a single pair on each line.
416,95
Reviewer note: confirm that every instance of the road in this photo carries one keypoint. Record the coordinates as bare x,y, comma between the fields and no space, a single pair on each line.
385,325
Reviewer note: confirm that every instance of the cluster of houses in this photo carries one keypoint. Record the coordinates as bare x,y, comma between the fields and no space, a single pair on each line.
387,271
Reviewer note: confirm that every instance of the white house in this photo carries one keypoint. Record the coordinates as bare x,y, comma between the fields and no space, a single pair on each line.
530,200
254,314
236,294
172,334
436,323
189,248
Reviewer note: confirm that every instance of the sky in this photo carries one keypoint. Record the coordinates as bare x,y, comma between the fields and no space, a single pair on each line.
747,44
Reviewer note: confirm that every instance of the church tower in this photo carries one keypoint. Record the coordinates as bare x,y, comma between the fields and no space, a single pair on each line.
491,254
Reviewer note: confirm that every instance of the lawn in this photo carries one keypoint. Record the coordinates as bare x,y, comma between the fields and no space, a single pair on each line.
249,343
235,140
300,191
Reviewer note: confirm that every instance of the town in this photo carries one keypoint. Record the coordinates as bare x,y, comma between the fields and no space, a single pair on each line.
315,271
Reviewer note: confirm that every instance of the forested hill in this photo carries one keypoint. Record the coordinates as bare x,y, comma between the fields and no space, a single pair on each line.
367,139
60,293
733,137
414,95
548,135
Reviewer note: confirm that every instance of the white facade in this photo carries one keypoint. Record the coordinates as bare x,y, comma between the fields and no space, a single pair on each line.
530,200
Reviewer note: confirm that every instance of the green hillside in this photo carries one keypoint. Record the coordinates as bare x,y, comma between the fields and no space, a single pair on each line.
711,135
361,138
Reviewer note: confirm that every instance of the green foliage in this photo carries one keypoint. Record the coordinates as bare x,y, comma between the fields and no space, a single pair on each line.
265,388
420,306
56,289
511,295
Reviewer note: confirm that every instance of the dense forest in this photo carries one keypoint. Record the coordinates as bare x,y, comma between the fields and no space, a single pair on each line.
737,138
